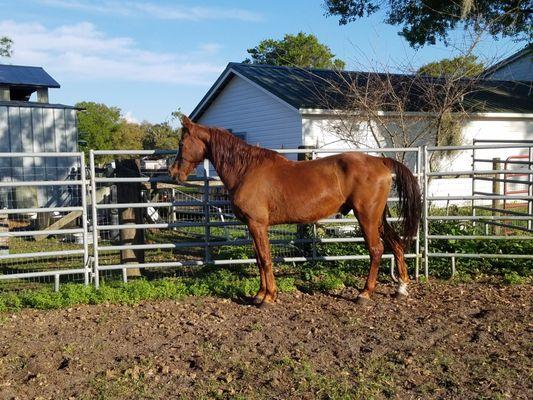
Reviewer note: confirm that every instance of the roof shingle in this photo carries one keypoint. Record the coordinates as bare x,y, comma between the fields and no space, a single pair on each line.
329,89
17,75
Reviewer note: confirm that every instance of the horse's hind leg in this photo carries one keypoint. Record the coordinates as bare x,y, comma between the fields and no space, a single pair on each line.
393,241
259,234
370,221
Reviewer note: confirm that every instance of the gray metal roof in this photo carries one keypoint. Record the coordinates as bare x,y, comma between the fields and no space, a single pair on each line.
304,88
527,50
18,75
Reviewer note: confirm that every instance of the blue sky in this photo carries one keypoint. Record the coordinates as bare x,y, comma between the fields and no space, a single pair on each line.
151,57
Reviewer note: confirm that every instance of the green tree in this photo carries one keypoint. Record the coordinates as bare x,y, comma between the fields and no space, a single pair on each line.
129,136
6,46
98,125
299,50
160,136
426,21
461,66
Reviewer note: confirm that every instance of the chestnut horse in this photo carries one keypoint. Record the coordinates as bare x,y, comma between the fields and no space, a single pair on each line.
266,189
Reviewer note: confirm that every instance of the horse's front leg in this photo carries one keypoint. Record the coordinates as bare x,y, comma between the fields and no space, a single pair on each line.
267,290
259,297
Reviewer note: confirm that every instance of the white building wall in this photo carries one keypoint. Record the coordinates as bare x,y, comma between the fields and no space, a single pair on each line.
267,122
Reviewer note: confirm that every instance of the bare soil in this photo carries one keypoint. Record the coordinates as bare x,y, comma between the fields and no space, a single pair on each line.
470,341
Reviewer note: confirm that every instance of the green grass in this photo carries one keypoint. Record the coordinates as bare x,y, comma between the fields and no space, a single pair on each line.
208,282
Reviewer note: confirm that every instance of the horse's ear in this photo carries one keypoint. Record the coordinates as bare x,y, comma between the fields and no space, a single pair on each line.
186,122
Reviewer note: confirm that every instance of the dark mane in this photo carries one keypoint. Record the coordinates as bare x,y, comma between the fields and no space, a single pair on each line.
232,156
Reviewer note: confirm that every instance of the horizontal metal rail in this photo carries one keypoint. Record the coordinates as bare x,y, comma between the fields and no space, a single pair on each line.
502,210
40,183
38,210
235,242
480,147
490,160
282,151
511,227
488,197
505,180
241,261
484,172
523,141
26,275
41,154
478,237
479,217
464,255
166,225
41,254
157,179
41,232
357,150
134,152
202,223
197,203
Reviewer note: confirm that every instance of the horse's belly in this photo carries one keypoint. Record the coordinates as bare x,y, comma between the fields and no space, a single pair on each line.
305,210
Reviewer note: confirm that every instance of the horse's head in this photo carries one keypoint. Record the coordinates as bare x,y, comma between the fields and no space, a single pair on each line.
192,150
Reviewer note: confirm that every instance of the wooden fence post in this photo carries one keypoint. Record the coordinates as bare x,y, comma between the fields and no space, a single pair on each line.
130,192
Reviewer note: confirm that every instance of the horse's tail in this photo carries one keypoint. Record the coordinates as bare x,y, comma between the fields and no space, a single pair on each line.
410,198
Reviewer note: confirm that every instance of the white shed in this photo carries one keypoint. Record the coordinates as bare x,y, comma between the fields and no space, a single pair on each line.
281,107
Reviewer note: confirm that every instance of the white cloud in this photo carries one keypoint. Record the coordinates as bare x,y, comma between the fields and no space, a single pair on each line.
81,50
210,48
129,117
155,10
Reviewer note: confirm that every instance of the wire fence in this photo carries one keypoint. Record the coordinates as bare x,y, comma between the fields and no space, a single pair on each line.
123,217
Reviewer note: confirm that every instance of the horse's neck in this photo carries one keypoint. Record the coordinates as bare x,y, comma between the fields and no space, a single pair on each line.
224,165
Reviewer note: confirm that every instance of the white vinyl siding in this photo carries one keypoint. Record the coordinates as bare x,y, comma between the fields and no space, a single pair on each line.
245,108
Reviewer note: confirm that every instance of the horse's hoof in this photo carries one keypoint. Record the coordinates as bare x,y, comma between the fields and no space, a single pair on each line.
363,300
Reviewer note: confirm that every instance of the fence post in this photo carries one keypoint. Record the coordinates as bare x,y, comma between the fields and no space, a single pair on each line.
472,205
306,231
207,216
419,177
496,189
130,192
530,192
84,217
426,212
96,272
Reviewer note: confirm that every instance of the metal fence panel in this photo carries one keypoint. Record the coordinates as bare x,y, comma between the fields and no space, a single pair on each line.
43,220
193,224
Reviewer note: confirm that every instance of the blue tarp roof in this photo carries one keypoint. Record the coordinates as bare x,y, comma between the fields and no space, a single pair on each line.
26,76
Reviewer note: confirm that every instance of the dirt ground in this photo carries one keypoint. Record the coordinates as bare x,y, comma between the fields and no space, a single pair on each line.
471,341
